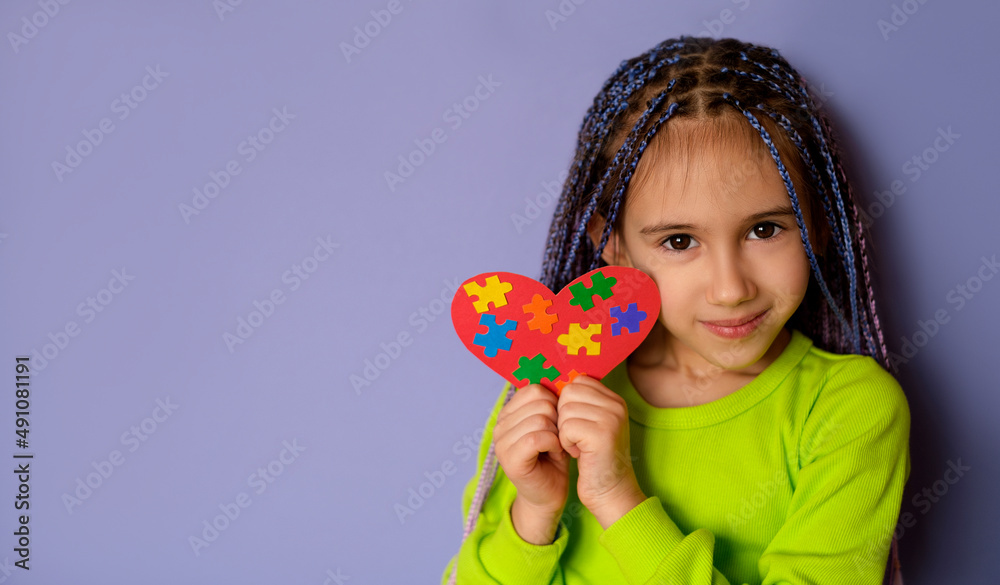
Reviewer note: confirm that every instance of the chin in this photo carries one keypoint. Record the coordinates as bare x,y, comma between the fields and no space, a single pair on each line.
737,354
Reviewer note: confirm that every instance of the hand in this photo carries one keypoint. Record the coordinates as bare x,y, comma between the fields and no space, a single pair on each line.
529,451
594,429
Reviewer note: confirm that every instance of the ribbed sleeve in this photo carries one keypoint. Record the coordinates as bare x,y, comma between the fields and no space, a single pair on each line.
494,553
640,538
854,457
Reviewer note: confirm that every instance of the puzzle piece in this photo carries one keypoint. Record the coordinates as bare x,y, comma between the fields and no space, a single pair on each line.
569,378
583,296
541,321
532,370
496,338
629,319
580,337
494,292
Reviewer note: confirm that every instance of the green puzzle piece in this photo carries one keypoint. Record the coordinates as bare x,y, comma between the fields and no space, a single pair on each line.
583,296
532,370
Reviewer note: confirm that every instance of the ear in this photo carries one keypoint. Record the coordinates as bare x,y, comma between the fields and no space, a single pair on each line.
612,250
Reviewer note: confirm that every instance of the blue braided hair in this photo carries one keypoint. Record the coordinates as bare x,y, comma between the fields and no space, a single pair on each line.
694,78
704,79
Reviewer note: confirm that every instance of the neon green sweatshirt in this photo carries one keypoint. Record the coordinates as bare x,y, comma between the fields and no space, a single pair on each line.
795,478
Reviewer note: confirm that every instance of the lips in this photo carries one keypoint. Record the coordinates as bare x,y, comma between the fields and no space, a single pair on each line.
735,322
741,327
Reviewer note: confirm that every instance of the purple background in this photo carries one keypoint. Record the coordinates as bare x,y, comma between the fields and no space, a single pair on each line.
331,508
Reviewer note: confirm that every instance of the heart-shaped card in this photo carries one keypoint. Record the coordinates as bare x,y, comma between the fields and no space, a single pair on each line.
529,335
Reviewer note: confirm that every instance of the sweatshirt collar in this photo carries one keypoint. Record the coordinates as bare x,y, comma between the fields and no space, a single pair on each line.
716,411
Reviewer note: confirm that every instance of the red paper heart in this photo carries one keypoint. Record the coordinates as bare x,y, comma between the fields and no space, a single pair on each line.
527,334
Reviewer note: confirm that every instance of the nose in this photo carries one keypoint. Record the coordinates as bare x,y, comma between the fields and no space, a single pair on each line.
730,281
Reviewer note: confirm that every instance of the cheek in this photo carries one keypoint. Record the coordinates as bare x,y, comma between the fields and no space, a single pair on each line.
677,295
788,273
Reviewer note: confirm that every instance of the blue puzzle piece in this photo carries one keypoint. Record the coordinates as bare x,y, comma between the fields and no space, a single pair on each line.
629,319
496,338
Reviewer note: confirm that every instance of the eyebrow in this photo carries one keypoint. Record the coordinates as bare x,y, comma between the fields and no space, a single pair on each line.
666,227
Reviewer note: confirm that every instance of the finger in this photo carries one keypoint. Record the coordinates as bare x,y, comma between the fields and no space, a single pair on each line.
569,447
586,380
575,434
527,409
528,394
590,391
527,449
535,422
511,435
600,413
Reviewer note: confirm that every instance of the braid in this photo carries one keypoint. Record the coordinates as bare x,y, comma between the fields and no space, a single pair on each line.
703,79
877,347
609,103
791,193
786,125
619,194
620,92
840,229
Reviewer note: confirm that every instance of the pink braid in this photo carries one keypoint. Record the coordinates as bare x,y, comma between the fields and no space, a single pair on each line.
893,574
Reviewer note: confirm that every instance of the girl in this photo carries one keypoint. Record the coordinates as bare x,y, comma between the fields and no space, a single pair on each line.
755,435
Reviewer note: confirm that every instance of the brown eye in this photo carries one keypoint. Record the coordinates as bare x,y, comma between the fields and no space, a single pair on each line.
679,242
765,231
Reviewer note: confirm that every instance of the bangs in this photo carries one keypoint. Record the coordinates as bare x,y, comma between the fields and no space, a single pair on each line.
681,144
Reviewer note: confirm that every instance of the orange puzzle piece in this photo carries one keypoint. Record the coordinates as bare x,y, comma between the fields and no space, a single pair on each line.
541,320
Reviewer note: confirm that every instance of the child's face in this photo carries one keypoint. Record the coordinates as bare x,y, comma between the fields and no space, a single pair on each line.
725,264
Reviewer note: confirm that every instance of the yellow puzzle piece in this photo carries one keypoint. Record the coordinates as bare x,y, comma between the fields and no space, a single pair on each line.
494,292
578,337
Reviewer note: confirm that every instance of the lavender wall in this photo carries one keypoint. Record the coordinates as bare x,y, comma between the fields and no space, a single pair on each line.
129,287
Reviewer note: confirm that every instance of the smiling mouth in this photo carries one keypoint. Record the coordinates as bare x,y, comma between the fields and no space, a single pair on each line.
738,331
735,322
